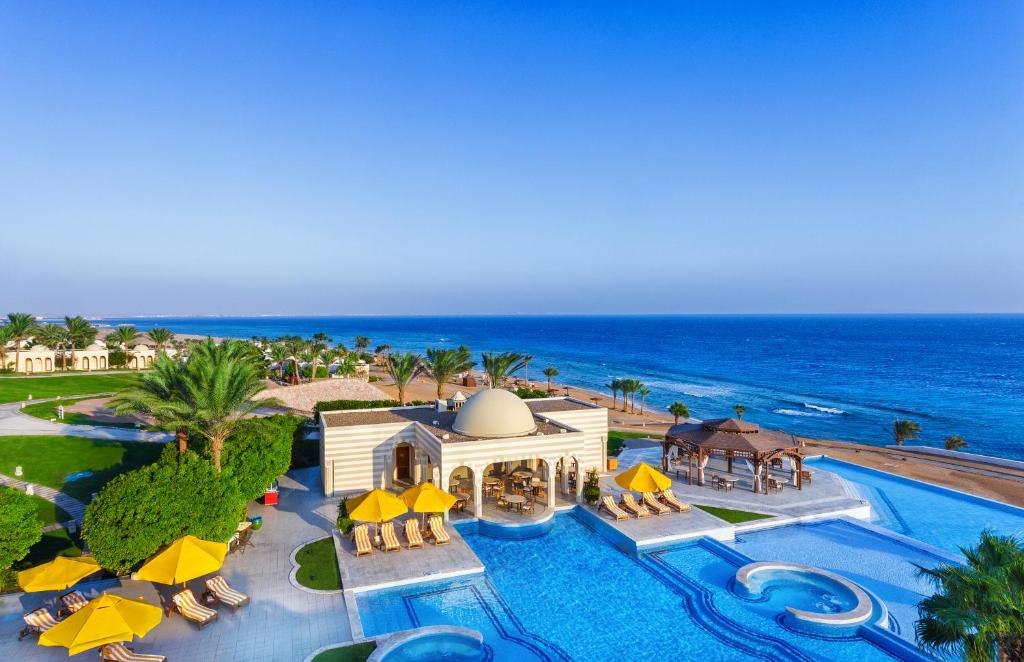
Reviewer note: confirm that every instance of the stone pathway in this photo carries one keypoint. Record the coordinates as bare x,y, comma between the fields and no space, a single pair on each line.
71,505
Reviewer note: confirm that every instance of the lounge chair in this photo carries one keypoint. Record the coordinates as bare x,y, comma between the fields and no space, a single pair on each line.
37,622
387,534
186,604
630,504
361,534
224,593
121,653
412,533
608,504
672,502
441,536
72,602
651,502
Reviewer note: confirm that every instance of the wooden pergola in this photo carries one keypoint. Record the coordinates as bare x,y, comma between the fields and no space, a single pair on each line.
733,438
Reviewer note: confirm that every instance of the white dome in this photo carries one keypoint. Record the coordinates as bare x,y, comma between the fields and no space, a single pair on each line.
493,414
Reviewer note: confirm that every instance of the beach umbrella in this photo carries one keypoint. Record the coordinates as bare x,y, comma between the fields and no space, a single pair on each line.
427,498
376,506
56,575
184,559
643,478
105,620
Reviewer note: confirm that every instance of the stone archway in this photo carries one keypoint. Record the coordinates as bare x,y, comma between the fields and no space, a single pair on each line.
103,363
85,363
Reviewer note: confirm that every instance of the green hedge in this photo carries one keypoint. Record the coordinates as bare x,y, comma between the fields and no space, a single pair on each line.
20,528
259,452
338,405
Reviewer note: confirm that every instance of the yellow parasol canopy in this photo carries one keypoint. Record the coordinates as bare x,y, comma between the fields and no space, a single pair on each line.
376,506
643,478
428,498
184,559
58,574
105,620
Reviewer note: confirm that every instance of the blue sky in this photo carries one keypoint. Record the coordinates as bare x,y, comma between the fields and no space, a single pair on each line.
330,158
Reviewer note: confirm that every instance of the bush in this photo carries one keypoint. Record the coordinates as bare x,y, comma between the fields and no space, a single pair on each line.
528,393
117,358
19,526
592,488
259,452
334,405
321,371
140,511
344,522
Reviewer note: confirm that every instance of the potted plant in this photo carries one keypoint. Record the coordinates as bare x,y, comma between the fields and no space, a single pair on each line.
592,488
344,522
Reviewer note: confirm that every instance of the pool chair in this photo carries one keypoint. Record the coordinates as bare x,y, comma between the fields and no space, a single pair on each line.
37,622
412,533
361,534
121,653
672,502
71,602
219,589
441,536
655,505
186,604
387,534
630,504
608,505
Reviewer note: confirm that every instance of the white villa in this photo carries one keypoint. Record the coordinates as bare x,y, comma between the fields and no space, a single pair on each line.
39,358
462,441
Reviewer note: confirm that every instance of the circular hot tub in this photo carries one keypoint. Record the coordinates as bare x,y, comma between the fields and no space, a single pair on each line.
447,643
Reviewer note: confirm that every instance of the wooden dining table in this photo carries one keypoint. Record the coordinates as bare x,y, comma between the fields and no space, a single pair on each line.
516,500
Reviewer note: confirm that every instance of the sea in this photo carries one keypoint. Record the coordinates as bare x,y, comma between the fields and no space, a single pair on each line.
832,377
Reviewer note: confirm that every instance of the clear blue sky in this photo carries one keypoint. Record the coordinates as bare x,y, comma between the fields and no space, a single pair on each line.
586,157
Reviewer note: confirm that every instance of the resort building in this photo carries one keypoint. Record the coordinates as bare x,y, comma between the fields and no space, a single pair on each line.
37,358
40,358
464,442
93,357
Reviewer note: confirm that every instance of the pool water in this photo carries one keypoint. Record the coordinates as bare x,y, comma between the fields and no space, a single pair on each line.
798,590
931,514
444,647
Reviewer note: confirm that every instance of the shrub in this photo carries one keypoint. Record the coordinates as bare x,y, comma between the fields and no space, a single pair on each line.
334,405
344,522
117,358
528,393
19,526
592,488
259,452
140,511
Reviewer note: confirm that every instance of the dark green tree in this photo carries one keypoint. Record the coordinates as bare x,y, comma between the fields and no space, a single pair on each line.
20,528
259,452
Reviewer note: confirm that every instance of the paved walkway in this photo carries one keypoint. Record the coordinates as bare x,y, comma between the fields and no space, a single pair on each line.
72,506
13,422
281,623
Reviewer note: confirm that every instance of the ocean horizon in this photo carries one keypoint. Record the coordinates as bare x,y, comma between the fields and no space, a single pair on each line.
843,377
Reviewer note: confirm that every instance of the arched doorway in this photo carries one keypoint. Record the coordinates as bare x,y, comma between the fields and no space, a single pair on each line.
149,361
49,365
103,363
404,456
85,363
39,365
28,367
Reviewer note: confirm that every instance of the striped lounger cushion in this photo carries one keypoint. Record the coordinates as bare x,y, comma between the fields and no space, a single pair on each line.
362,537
191,609
120,653
73,601
387,532
412,533
437,528
225,593
41,619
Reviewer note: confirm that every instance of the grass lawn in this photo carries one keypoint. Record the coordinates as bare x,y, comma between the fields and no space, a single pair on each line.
15,389
318,568
353,653
48,460
48,410
732,516
48,512
616,439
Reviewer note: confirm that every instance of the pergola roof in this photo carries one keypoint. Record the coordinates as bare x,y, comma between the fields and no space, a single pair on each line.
730,434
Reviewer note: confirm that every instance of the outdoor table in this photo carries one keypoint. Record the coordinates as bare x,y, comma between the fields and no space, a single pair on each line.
516,500
492,481
729,483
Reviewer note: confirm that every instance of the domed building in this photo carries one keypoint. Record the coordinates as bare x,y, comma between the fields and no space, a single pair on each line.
463,444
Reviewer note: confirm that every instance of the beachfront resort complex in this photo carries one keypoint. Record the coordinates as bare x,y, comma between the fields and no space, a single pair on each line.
490,518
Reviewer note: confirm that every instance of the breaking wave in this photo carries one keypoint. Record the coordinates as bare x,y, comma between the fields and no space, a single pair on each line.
825,410
796,412
694,390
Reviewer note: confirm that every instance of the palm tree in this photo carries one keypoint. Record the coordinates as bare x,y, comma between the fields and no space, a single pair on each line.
280,355
614,386
54,337
404,368
296,346
740,410
526,368
124,336
499,366
361,343
5,337
80,333
903,429
161,337
443,364
629,387
977,612
163,395
644,391
381,351
955,442
22,326
550,373
679,410
316,346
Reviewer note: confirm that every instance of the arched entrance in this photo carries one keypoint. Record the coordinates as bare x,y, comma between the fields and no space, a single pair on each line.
149,361
28,367
49,365
85,363
404,457
103,363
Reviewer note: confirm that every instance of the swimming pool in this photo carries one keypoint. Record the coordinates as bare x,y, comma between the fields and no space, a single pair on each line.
923,511
570,594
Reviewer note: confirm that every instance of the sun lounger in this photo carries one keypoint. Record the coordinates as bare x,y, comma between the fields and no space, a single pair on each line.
441,536
72,602
121,653
218,586
387,534
630,504
655,505
361,534
187,605
412,533
672,502
608,505
37,622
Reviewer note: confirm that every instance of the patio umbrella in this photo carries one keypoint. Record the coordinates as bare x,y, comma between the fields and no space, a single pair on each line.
643,478
184,559
105,620
427,498
56,575
376,506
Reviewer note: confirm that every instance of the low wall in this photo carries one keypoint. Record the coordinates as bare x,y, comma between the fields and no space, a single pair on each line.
960,455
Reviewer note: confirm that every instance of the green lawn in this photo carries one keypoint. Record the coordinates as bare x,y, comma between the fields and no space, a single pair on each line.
48,410
318,567
15,389
353,653
616,439
47,460
48,512
732,516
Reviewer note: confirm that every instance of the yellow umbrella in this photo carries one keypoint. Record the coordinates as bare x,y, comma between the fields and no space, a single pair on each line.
643,478
58,574
105,620
428,498
376,506
184,559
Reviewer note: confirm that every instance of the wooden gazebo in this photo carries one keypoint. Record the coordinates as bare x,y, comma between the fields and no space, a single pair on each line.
732,438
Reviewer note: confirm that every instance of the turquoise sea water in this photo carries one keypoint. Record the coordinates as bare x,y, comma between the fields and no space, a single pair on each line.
841,377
